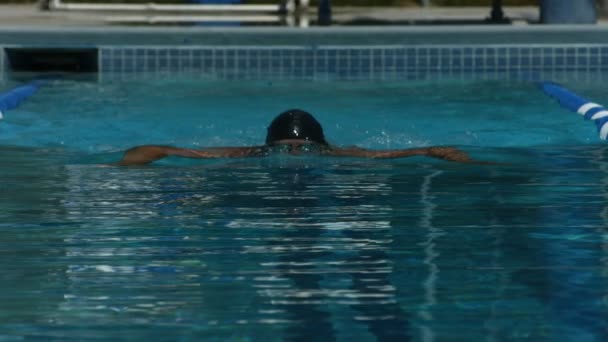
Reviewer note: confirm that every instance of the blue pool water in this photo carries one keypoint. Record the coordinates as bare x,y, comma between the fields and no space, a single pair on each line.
111,116
302,248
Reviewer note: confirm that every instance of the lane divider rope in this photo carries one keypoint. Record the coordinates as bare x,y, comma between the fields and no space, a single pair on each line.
11,99
578,104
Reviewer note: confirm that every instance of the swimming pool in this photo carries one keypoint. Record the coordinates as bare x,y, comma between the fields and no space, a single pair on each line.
294,248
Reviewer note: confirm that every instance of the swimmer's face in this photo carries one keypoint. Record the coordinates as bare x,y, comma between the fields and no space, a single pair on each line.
297,146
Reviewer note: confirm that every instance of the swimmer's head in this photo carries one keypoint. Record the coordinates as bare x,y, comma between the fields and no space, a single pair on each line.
295,124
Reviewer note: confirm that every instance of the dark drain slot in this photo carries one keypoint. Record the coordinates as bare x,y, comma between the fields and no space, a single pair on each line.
52,59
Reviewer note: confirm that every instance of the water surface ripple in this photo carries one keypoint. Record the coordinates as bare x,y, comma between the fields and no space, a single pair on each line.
305,248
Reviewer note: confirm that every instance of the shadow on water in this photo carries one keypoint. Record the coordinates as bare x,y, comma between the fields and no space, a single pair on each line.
325,246
306,248
546,221
32,224
333,262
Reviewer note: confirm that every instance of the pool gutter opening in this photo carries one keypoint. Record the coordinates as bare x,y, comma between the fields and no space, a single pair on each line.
72,60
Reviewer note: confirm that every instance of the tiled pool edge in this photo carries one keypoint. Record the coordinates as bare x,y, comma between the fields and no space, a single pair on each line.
409,53
423,62
282,36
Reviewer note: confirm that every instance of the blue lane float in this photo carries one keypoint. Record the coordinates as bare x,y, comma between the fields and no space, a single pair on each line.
12,98
578,104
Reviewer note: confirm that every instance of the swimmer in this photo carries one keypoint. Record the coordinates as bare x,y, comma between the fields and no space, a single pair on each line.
293,132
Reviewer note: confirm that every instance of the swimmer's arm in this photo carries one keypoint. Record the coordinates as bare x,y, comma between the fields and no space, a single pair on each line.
445,153
146,154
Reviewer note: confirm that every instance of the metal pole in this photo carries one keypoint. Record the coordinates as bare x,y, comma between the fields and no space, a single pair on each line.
426,3
324,17
497,15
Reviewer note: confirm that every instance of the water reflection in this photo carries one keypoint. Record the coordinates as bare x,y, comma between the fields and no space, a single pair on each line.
367,250
334,265
573,237
313,243
32,229
427,199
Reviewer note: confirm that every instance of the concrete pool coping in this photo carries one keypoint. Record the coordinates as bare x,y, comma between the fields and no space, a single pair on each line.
264,36
26,25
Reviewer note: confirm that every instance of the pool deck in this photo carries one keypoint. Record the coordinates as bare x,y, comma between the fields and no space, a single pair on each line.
32,16
28,25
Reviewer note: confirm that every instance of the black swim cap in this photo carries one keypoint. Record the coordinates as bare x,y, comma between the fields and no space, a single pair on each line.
295,124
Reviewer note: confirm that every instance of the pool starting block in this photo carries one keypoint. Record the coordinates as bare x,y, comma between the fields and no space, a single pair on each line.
578,104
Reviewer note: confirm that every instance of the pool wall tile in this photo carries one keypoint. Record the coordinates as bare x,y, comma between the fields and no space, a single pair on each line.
375,62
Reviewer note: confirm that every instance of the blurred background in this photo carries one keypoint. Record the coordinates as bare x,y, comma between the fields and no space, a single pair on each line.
319,12
334,2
